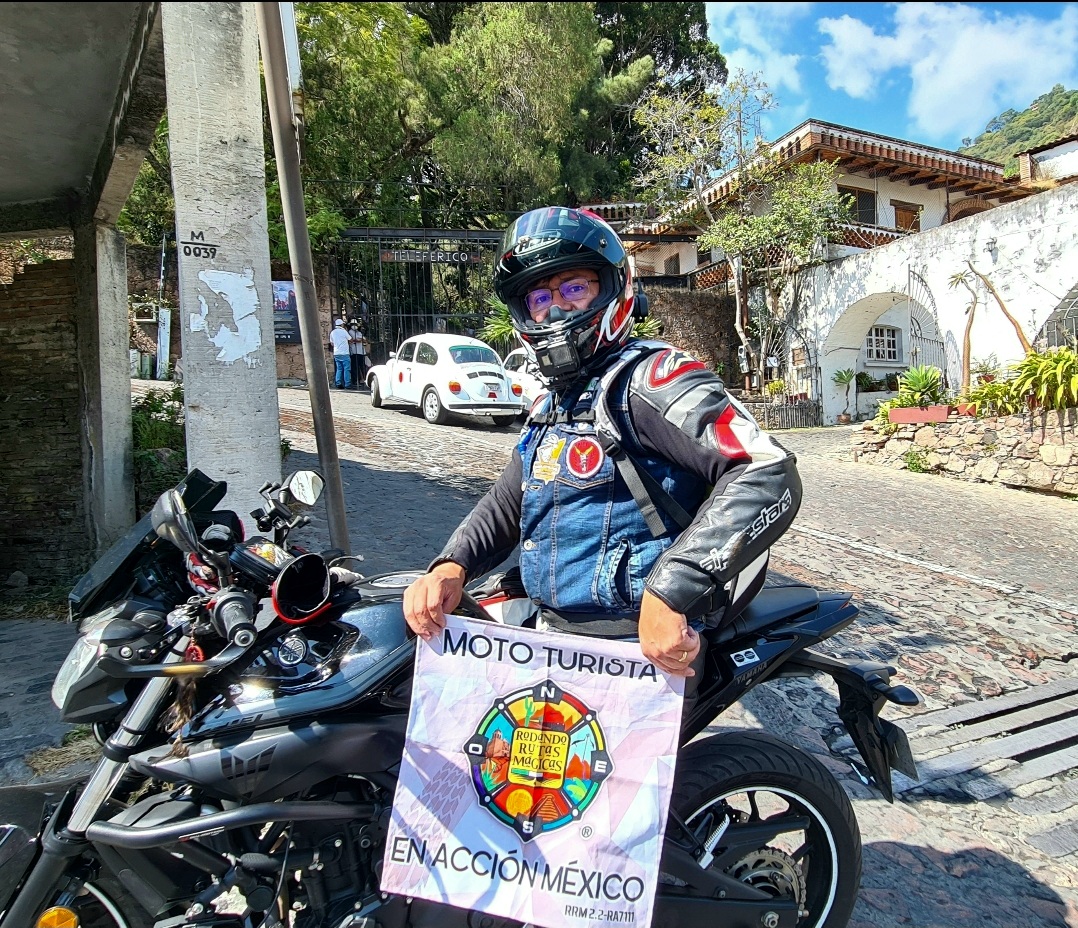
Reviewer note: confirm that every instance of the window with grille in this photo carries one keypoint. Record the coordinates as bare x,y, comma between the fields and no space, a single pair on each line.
672,265
863,205
882,343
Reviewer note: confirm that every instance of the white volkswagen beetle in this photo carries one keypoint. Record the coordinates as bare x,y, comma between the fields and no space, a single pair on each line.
447,375
524,372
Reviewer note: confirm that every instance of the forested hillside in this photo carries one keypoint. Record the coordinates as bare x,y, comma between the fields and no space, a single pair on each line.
1051,116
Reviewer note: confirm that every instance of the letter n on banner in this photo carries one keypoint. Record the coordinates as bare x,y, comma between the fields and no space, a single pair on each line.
535,792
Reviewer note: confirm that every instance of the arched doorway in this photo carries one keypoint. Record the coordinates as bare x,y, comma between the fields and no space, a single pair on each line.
844,342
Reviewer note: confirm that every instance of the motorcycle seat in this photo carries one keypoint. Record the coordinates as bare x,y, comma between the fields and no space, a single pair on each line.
771,606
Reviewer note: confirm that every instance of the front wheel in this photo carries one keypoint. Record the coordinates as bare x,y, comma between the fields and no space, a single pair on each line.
733,788
433,411
504,420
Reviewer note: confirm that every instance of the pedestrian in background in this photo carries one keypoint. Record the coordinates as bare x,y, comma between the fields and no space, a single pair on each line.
358,348
342,356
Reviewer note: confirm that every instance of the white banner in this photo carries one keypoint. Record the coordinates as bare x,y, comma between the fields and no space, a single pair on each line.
536,777
164,334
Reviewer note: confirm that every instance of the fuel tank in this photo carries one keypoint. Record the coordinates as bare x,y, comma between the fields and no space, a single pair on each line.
313,669
320,700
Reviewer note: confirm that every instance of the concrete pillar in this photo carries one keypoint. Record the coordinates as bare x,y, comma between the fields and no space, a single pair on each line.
103,339
225,291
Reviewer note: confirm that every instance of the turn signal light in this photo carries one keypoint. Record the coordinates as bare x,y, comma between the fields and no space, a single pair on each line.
57,917
454,387
518,390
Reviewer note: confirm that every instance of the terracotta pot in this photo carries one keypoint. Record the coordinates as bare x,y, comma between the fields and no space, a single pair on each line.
966,409
914,414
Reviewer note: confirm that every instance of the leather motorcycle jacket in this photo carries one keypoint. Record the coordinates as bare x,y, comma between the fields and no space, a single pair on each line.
588,550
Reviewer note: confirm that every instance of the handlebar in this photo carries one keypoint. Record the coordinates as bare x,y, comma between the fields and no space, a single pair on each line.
233,616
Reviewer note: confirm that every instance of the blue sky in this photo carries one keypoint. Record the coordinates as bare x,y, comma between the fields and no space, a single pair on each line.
932,73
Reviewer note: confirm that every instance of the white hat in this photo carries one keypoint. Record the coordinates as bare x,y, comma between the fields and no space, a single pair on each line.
339,322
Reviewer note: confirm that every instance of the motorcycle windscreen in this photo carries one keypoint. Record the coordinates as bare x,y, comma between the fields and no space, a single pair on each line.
110,576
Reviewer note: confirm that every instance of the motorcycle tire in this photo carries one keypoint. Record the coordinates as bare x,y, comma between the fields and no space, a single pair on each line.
728,777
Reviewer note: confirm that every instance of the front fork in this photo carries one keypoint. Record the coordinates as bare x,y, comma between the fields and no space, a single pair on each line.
64,837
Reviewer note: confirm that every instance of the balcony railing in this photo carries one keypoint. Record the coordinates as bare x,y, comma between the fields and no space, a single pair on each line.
852,234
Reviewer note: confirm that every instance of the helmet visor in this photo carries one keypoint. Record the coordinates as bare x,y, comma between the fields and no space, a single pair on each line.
560,297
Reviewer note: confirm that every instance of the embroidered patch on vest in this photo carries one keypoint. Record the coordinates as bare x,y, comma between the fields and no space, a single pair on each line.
584,457
547,465
669,365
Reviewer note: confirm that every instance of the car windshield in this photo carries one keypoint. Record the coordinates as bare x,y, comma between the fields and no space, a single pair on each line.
473,354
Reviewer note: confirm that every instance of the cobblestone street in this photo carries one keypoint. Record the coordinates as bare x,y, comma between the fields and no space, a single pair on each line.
967,589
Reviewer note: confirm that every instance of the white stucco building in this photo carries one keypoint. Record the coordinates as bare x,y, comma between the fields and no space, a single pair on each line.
883,300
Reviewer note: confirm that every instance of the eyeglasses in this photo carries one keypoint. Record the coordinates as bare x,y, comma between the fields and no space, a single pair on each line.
571,290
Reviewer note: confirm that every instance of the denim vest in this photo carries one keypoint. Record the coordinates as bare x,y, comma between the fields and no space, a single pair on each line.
585,547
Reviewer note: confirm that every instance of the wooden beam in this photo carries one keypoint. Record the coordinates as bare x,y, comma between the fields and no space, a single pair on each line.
903,172
856,164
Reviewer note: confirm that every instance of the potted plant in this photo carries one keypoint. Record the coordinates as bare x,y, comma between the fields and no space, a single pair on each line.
776,389
920,396
844,379
985,369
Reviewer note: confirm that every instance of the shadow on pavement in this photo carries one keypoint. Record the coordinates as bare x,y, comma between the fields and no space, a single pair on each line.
906,884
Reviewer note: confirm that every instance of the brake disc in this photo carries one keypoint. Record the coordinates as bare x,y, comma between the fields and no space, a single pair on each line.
772,871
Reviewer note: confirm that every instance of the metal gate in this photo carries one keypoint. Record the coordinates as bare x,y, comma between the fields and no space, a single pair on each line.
403,282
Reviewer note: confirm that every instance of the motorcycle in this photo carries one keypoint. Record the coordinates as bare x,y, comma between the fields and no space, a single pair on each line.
251,736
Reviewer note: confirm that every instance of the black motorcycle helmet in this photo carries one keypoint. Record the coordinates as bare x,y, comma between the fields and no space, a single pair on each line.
551,239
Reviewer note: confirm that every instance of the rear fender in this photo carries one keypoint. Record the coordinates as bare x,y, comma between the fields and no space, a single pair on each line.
745,653
863,688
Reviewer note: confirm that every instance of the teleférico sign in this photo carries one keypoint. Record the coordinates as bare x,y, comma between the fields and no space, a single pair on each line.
429,256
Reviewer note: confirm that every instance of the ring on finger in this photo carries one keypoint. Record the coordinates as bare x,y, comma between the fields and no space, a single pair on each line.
684,657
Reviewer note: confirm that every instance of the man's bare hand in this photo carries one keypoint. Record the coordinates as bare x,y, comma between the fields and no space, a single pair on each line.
666,638
430,597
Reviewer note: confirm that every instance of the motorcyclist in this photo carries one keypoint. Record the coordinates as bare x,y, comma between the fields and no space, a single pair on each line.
639,489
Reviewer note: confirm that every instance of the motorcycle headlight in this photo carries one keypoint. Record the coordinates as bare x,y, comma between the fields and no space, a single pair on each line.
83,652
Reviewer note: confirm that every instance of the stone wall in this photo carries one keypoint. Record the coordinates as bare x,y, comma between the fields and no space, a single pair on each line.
41,453
1009,450
700,322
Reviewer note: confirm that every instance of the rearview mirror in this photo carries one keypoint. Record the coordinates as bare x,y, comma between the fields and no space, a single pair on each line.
172,523
392,355
305,486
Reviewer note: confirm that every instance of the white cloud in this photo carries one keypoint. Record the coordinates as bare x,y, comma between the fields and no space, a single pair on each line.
751,36
964,63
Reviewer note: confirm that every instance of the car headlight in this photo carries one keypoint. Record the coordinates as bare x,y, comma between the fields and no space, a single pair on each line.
83,652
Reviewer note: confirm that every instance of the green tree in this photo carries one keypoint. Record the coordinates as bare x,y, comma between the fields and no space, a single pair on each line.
503,92
673,35
651,45
772,217
1051,116
150,211
365,112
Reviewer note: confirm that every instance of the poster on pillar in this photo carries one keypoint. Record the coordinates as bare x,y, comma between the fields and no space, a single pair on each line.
285,313
164,335
536,776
